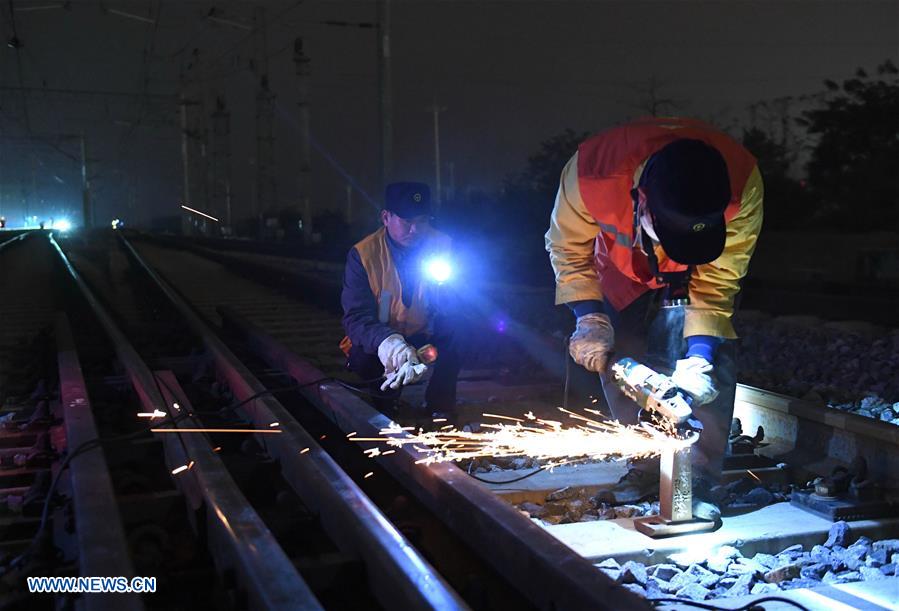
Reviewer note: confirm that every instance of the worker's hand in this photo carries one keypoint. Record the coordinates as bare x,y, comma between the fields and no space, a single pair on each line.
692,375
394,351
408,373
592,342
401,363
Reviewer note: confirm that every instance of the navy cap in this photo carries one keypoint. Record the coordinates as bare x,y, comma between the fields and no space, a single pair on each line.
687,188
408,199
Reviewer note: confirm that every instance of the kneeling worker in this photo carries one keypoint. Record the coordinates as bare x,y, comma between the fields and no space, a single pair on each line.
653,229
394,302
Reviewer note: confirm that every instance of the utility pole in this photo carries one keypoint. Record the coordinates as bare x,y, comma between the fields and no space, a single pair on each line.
87,213
185,165
436,110
221,161
193,149
385,87
265,157
305,169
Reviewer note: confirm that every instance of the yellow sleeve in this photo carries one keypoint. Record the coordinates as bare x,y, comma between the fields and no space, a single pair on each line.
570,242
714,285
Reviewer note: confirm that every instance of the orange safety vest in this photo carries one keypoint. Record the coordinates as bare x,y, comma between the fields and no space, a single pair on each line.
606,166
384,280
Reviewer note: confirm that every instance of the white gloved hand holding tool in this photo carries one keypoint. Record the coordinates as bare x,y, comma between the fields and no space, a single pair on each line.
592,341
692,376
401,363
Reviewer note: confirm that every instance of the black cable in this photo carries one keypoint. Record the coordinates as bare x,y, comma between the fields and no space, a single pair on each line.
750,606
507,481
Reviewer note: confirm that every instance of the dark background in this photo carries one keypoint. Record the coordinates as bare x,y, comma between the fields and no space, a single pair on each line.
810,86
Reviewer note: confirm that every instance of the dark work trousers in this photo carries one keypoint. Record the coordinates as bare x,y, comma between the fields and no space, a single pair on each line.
440,395
653,335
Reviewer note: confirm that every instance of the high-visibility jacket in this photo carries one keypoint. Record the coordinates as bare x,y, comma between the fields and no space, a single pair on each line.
384,280
591,239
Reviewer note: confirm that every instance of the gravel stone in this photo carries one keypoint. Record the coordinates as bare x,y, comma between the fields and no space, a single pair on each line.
741,587
719,565
791,571
758,496
562,494
665,572
793,550
534,510
870,574
888,569
889,546
633,572
656,588
844,577
765,588
693,591
613,574
766,560
608,563
814,571
820,553
838,535
683,579
628,511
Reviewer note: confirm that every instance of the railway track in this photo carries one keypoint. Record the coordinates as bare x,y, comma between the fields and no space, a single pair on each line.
301,516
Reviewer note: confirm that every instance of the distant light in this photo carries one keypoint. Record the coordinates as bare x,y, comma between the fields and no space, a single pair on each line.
438,269
62,225
116,223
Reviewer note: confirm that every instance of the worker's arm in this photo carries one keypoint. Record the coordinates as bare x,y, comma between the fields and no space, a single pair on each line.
714,285
360,308
570,243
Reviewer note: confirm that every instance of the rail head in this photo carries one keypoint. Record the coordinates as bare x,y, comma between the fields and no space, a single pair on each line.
102,545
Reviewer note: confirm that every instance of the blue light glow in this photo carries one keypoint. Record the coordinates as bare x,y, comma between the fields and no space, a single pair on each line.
438,269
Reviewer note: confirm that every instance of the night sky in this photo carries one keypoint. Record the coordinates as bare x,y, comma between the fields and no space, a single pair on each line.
509,73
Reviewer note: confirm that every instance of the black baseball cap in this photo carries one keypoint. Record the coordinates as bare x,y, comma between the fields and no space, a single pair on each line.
408,199
687,188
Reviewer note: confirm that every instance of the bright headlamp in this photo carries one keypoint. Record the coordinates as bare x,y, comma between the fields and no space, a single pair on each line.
438,269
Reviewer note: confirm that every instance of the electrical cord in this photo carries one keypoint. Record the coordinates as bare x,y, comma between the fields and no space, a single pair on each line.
507,481
750,606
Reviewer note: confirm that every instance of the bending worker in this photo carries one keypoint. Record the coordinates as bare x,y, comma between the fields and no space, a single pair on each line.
393,303
652,230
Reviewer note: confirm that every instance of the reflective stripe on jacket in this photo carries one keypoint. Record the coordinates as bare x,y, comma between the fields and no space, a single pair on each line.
591,234
384,280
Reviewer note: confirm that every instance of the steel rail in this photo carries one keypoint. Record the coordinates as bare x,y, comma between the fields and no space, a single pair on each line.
546,571
19,238
802,432
102,546
398,574
248,547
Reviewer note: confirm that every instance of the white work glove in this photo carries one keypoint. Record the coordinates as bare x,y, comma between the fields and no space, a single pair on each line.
592,341
408,373
394,351
401,363
692,376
